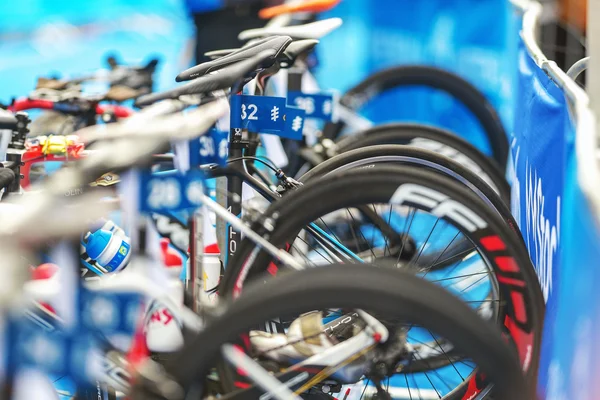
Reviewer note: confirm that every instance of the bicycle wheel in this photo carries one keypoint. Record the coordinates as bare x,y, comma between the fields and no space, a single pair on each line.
429,138
368,157
416,203
418,75
362,360
376,154
421,136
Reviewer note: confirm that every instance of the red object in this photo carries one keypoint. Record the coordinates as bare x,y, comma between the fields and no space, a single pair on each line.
212,249
507,264
311,6
24,104
41,272
119,111
493,243
44,271
29,104
35,154
138,352
170,257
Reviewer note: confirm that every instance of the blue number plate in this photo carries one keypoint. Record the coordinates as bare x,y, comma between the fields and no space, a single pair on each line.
211,148
294,123
316,106
258,113
170,192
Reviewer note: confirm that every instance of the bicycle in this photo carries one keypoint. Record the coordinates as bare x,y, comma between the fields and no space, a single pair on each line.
208,84
92,167
261,226
251,143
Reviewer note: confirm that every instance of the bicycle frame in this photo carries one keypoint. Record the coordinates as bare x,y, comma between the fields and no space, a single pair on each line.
237,174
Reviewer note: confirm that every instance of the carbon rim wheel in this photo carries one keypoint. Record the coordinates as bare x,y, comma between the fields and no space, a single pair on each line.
367,157
419,75
522,312
391,295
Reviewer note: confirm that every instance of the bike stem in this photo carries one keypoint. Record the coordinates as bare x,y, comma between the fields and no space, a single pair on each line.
236,152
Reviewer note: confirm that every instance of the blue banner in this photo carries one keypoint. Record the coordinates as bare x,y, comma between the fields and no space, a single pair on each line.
570,366
317,106
538,147
538,155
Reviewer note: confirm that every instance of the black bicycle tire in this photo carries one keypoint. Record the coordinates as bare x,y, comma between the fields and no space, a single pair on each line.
363,154
405,133
302,206
420,75
375,290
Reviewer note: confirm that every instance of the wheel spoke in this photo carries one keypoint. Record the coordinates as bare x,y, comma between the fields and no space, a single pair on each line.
425,242
406,233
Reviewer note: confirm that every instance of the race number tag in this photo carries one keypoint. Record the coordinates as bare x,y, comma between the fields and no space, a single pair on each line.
170,192
258,113
316,106
74,352
109,313
70,354
211,148
294,123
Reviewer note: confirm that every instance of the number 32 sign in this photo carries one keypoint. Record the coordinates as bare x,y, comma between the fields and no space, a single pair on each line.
263,114
258,113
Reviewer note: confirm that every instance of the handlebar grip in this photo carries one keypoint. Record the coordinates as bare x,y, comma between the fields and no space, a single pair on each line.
7,176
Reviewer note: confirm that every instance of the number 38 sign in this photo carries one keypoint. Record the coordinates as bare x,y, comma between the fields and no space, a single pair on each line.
170,192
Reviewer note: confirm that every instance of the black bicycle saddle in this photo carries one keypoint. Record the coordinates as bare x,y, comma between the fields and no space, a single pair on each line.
286,59
295,50
275,43
8,120
223,79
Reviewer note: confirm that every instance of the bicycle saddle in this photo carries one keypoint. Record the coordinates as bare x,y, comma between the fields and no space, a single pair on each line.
223,79
295,50
51,83
314,30
276,44
8,120
121,93
213,55
286,58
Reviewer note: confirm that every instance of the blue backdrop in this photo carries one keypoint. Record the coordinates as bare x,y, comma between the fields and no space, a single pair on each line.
73,38
470,37
561,230
570,362
476,39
